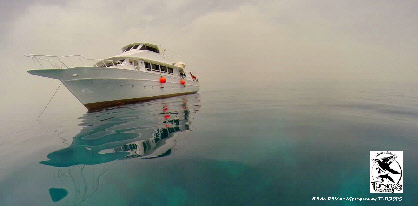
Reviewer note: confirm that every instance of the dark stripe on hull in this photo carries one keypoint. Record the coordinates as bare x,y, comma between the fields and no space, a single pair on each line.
101,105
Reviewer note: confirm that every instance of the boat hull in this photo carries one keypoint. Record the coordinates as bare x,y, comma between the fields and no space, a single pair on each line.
100,105
97,88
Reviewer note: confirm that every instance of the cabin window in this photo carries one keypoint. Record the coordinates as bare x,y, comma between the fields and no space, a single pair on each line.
117,62
163,69
145,47
135,47
136,65
129,48
170,70
155,67
182,74
147,66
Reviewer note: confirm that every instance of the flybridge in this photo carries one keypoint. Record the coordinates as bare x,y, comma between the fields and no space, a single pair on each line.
141,46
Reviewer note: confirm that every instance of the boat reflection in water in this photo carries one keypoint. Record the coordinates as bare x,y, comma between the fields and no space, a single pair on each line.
147,130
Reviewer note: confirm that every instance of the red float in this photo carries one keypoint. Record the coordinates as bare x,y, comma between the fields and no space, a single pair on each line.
163,80
182,82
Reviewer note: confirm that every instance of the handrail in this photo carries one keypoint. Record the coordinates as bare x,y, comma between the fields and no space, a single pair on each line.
59,62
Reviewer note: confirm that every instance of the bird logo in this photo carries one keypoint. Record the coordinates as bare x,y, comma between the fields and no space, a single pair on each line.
386,169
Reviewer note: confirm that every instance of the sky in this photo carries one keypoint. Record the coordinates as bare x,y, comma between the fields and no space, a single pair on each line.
224,43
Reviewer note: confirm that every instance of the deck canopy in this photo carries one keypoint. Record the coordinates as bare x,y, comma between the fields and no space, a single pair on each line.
141,46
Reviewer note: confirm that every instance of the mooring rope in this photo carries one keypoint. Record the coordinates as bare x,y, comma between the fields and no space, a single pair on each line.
50,101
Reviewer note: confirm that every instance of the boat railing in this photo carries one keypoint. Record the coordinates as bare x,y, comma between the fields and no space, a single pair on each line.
64,62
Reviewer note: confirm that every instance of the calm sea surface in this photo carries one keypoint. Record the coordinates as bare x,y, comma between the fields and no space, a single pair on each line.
280,144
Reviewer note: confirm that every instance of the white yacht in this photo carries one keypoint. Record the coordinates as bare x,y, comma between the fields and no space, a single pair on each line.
139,73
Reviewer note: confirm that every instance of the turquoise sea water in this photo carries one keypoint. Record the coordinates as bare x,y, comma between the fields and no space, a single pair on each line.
280,144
